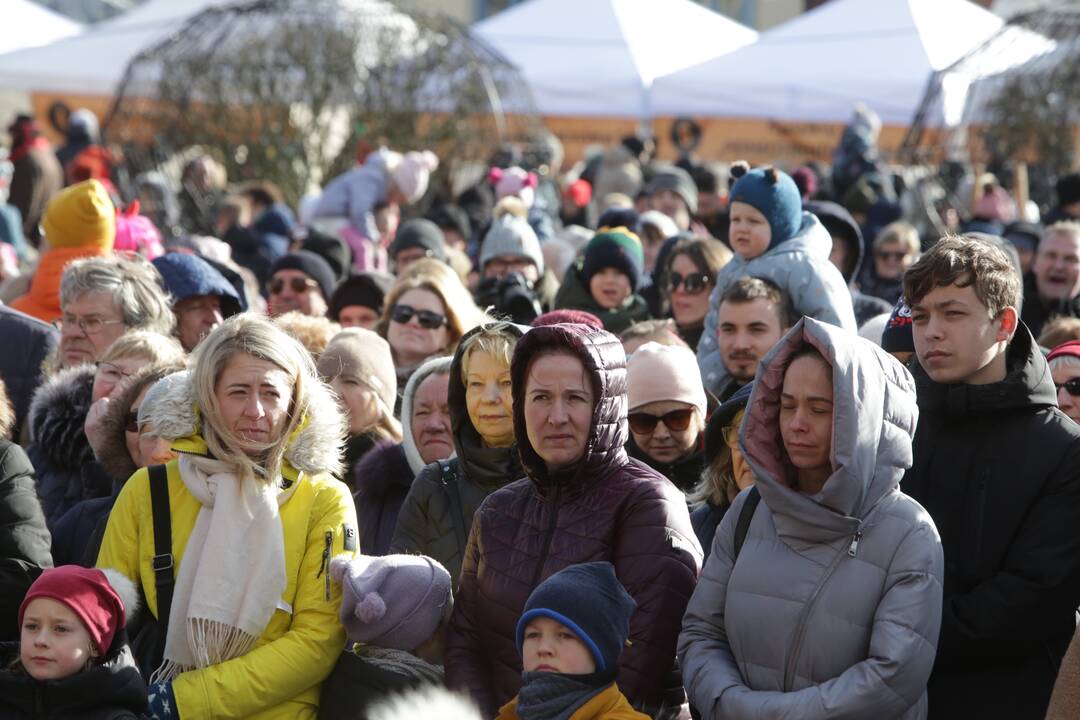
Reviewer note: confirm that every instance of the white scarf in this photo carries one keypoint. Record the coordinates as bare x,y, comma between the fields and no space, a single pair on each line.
232,575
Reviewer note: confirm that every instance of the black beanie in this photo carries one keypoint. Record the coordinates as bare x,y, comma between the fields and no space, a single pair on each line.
451,217
314,266
332,249
421,233
1068,189
368,289
590,601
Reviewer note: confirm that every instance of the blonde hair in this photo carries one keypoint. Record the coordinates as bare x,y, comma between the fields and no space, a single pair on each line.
158,349
1059,330
494,340
438,278
249,334
718,477
314,333
900,232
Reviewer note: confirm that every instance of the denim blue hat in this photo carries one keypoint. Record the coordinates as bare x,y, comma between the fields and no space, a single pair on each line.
774,194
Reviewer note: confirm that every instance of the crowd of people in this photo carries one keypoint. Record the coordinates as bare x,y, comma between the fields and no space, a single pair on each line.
259,460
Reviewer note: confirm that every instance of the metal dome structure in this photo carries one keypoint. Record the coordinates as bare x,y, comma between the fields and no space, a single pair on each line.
286,91
1014,99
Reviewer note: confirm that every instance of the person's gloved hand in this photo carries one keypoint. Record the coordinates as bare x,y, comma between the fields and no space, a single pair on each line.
161,702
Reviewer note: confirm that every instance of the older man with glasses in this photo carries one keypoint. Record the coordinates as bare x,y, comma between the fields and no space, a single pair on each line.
300,281
101,299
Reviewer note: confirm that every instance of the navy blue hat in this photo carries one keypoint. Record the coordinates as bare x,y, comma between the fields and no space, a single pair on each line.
189,276
721,418
897,337
590,601
312,265
772,193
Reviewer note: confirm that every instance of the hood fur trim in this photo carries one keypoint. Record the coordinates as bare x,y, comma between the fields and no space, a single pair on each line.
125,588
57,415
314,448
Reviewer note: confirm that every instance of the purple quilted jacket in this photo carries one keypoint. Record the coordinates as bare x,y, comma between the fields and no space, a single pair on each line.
609,507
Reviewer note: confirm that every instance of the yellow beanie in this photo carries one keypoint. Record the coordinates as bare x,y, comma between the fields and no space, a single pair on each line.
80,216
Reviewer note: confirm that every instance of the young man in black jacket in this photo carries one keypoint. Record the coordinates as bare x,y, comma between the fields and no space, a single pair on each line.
997,466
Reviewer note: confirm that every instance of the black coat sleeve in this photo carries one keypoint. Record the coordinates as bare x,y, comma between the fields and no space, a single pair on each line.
24,539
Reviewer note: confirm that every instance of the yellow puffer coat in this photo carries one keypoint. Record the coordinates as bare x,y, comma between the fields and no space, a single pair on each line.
281,676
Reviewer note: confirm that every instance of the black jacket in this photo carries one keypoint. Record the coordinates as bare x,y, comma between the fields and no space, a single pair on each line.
382,480
27,342
1036,314
684,473
24,540
997,466
113,690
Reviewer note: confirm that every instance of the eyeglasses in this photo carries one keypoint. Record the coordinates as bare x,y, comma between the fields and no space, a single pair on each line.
88,326
677,420
1071,386
131,422
299,285
731,435
427,319
112,372
693,283
894,255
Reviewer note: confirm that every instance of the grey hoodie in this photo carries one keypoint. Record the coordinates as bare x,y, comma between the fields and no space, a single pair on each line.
801,268
834,607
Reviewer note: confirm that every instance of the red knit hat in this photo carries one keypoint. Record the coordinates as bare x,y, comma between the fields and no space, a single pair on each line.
556,317
1072,347
89,595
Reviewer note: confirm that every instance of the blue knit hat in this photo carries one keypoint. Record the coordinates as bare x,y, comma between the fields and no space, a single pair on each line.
590,601
187,276
774,194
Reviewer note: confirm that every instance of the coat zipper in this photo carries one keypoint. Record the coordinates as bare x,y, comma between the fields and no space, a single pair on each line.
800,628
547,539
324,566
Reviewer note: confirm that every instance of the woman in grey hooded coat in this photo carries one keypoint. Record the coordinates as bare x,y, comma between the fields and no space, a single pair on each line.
832,605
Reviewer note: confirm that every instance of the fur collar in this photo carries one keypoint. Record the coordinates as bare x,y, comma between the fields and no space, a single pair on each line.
57,414
315,447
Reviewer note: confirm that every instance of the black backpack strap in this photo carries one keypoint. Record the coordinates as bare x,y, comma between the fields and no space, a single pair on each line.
745,516
457,518
163,558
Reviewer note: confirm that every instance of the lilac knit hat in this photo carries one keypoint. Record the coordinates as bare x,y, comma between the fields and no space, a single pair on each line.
394,601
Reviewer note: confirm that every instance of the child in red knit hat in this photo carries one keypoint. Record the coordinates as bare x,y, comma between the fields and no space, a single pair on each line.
72,658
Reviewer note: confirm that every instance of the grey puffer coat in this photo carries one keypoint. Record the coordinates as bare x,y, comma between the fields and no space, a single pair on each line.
834,607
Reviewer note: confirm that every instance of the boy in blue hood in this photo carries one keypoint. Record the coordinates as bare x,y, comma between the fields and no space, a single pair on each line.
774,239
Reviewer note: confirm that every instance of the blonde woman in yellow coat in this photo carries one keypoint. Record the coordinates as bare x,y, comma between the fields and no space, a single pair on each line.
253,628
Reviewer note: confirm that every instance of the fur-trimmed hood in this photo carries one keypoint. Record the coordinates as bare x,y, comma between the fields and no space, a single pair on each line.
314,448
57,414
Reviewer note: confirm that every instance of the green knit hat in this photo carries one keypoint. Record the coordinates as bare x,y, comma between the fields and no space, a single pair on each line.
617,248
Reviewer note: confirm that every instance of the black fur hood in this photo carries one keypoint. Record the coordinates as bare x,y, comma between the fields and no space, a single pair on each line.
57,414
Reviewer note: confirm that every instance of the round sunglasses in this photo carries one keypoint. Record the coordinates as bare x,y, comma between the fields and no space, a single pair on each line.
676,420
693,284
427,319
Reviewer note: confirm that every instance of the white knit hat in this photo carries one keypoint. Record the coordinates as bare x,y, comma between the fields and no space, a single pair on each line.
656,372
413,172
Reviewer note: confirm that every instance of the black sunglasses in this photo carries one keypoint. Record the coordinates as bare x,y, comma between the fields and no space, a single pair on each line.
299,285
1071,386
677,420
895,255
427,319
693,283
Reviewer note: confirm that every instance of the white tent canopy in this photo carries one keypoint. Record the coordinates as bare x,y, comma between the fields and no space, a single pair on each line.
815,67
92,63
30,25
600,57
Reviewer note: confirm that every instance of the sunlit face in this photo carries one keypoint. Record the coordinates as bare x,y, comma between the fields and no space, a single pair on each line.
689,309
78,347
550,646
664,444
196,316
745,332
358,316
411,342
1057,266
489,399
609,288
431,419
806,415
361,403
54,643
558,409
308,299
1069,404
749,232
956,340
254,396
740,469
110,376
891,259
671,204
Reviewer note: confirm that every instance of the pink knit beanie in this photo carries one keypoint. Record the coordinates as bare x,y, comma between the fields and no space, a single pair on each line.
412,174
658,372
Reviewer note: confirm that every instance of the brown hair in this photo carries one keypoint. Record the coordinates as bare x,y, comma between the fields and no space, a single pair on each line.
663,331
708,256
748,289
1059,330
964,261
439,279
7,411
314,333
